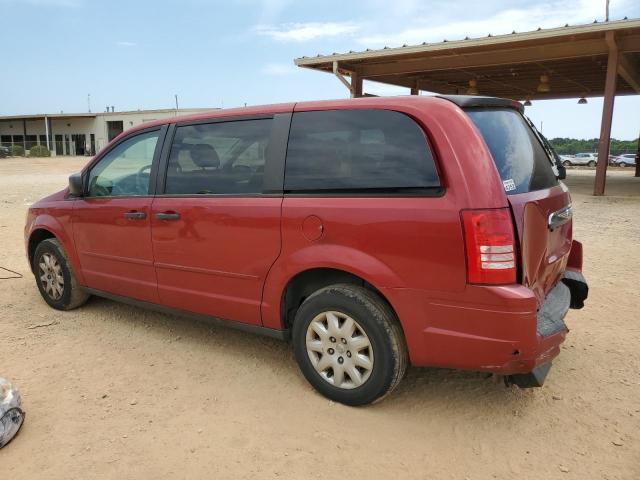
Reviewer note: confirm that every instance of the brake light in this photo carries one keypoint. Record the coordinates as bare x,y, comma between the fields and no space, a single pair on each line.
490,245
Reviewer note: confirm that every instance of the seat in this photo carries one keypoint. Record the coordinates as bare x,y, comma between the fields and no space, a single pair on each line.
199,177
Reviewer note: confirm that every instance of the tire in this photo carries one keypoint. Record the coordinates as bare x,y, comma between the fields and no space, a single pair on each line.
55,279
566,163
622,164
374,324
591,163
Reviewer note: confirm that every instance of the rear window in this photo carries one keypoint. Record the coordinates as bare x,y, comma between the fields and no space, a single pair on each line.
522,162
354,151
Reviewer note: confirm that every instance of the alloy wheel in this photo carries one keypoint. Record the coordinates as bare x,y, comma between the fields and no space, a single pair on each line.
339,349
51,277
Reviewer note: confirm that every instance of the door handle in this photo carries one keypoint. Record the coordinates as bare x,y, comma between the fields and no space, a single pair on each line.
134,215
168,216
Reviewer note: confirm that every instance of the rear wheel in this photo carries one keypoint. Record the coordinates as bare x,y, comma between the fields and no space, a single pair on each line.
55,278
349,344
566,163
622,164
592,163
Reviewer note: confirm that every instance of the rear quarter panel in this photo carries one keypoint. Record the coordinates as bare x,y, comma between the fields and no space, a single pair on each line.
391,243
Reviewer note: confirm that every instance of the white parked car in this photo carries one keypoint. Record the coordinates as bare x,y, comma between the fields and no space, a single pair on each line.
625,160
589,159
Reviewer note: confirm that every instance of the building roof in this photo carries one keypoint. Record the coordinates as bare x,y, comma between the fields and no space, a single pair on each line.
573,57
40,116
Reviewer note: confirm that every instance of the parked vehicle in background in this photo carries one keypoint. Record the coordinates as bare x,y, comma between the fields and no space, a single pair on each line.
625,160
589,159
4,151
566,159
429,231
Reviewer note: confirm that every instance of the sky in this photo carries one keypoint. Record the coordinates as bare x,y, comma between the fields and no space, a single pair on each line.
138,54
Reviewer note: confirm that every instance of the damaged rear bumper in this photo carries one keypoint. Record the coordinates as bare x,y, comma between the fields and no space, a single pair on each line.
497,329
571,292
578,287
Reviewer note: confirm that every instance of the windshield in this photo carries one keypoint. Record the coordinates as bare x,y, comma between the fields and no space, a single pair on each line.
521,160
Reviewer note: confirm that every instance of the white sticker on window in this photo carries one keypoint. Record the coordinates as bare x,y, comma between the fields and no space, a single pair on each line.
509,185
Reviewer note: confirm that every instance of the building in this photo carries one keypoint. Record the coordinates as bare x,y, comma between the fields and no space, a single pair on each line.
77,133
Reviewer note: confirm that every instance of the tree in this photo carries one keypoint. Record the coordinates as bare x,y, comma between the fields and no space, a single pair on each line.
571,146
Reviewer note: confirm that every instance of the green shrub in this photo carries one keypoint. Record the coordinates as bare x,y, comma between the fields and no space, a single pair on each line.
17,151
39,151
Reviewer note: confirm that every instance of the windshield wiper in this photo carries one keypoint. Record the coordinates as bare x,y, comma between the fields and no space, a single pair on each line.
551,155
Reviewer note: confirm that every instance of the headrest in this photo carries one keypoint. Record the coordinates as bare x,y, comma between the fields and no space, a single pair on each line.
204,155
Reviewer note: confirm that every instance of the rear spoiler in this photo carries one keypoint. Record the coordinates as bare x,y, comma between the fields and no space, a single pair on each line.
474,101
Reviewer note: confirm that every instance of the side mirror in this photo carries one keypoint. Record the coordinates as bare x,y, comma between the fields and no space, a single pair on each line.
75,185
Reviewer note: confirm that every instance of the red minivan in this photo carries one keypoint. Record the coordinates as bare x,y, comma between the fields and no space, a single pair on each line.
372,233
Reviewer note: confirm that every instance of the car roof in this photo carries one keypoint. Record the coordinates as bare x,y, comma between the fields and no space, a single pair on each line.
217,113
462,101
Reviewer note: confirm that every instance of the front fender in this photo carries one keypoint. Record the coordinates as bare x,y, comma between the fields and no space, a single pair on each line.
59,226
337,257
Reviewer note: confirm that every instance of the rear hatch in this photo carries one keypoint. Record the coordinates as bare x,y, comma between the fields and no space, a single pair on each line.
540,204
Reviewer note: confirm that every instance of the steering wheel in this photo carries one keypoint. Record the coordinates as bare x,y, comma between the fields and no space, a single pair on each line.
117,190
141,184
98,190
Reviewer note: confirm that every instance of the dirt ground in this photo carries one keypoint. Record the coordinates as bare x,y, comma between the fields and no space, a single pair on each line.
113,391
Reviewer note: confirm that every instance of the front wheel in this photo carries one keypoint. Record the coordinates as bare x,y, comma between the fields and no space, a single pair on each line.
349,344
622,164
566,163
55,278
592,163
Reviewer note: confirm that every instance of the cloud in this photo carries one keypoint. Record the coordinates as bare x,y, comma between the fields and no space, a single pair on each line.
123,43
270,10
279,69
545,14
303,32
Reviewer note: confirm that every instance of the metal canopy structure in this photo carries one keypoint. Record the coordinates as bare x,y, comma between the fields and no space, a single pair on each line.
594,60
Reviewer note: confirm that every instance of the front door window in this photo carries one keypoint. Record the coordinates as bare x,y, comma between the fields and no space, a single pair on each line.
125,170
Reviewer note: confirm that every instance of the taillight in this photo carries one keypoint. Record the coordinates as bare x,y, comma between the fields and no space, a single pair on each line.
489,240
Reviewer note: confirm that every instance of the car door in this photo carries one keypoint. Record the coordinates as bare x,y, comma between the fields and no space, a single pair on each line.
111,222
216,224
